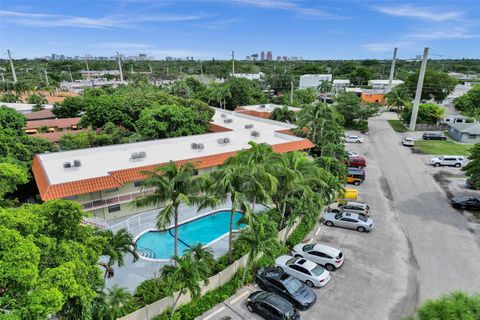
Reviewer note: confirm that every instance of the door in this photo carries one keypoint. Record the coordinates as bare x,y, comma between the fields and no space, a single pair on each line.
316,257
349,223
300,272
263,309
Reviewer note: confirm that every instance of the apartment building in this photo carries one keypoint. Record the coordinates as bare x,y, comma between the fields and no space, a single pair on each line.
106,180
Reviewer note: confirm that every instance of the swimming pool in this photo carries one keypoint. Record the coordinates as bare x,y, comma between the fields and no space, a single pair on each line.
156,244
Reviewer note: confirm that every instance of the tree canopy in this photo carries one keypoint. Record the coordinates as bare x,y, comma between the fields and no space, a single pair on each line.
469,103
437,85
354,112
428,113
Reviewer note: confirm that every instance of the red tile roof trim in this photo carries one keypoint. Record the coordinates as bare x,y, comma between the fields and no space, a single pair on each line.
60,123
116,179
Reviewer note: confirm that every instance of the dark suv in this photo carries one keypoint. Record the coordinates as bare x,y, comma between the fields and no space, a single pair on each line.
285,285
434,136
271,306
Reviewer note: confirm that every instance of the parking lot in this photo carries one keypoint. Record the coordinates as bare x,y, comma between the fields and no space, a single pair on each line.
420,248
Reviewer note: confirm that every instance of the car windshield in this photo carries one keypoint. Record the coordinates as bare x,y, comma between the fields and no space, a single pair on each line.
362,218
308,247
317,271
292,285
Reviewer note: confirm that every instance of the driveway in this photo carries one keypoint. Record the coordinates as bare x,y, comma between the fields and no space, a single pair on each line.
420,248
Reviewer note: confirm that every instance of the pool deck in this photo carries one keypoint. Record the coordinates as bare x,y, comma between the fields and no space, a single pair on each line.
132,274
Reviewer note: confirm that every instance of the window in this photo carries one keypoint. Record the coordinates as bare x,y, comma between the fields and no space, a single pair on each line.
471,136
111,190
71,197
348,220
300,269
139,183
114,208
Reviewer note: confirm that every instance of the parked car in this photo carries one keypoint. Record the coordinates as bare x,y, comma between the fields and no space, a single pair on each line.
353,139
434,136
471,184
271,306
283,284
465,203
326,256
351,206
357,172
455,161
305,270
353,179
408,142
357,161
348,220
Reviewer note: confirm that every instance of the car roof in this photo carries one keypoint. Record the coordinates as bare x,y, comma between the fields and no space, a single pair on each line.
326,249
350,215
277,301
307,264
356,203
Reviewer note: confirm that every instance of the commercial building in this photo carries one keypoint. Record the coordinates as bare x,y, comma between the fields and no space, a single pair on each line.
382,84
465,132
94,74
105,180
340,84
249,76
313,80
373,96
80,85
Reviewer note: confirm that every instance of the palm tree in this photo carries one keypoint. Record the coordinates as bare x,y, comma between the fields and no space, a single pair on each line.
118,244
173,185
398,98
260,238
118,302
230,181
283,114
186,274
324,87
202,254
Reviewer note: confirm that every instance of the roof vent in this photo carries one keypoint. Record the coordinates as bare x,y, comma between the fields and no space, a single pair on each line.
67,165
223,140
248,126
194,145
223,115
262,106
142,154
134,156
255,134
200,146
77,163
227,120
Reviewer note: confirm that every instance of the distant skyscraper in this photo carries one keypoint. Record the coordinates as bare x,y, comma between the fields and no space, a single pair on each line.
285,58
269,55
262,56
255,56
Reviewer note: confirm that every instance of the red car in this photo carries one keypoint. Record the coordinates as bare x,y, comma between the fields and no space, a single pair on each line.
358,162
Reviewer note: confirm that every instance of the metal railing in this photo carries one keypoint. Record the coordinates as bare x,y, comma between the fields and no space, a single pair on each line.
122,198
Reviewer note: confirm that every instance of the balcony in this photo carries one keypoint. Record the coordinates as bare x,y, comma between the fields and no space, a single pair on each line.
122,198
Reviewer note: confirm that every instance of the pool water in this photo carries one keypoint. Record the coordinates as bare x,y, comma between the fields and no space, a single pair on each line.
160,244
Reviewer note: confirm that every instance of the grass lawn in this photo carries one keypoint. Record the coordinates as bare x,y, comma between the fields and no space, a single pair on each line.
397,125
438,147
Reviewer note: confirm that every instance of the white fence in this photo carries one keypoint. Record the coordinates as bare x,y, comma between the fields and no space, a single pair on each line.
152,310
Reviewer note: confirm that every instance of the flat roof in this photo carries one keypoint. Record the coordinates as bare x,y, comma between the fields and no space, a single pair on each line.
23,107
268,107
383,81
101,161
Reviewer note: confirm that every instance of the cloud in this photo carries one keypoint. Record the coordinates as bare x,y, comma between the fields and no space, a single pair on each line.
288,6
215,25
386,46
122,45
419,12
456,33
106,22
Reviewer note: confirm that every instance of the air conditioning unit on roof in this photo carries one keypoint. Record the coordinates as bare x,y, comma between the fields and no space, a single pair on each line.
67,165
142,154
134,156
77,163
227,120
248,126
255,134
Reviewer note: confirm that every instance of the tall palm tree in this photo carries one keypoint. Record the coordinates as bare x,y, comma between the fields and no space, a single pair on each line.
283,114
229,182
173,185
324,87
186,274
117,246
260,238
202,254
118,302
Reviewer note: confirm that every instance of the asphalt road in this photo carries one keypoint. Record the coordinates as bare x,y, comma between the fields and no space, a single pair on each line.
420,247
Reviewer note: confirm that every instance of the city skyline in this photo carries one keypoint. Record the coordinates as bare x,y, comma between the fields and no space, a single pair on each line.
211,29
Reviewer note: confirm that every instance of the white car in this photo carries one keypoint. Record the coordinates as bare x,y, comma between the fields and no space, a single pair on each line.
456,161
352,154
321,254
351,206
353,139
348,220
408,142
302,269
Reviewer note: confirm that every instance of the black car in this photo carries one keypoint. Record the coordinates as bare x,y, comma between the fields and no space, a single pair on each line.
434,136
465,203
288,287
271,306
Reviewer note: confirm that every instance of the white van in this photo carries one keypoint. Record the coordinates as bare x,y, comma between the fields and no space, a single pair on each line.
454,119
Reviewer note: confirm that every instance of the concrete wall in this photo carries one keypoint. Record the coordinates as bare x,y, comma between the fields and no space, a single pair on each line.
152,310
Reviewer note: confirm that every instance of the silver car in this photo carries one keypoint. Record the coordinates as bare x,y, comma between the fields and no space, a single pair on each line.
348,220
351,206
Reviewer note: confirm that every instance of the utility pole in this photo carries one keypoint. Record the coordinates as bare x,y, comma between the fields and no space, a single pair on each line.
46,76
12,66
392,70
418,93
88,71
3,77
167,71
201,71
131,69
233,63
70,73
120,66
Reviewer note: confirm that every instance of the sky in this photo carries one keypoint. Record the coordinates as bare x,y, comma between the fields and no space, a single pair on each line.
205,29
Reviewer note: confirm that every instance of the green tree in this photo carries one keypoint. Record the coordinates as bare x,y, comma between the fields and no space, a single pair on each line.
243,92
118,245
260,238
71,107
283,114
301,97
38,101
185,275
11,176
469,103
472,169
353,110
361,75
118,302
173,185
325,87
11,119
428,113
9,98
398,98
436,85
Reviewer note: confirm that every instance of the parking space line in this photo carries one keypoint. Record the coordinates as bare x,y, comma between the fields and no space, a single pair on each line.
214,313
234,300
318,230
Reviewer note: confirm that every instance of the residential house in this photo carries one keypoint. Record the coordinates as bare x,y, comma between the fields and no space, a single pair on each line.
465,132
